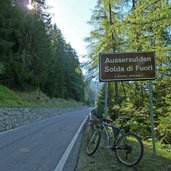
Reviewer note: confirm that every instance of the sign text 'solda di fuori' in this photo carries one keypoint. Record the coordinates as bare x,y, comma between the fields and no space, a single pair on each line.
127,66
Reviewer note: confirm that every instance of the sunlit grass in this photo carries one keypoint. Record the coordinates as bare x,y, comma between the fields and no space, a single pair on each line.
9,98
105,159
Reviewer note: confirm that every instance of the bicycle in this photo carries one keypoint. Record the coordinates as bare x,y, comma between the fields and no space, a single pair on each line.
127,146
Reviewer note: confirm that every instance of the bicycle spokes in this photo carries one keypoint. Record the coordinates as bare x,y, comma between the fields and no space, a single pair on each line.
94,138
129,149
93,141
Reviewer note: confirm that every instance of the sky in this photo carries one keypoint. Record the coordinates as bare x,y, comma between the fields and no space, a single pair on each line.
71,17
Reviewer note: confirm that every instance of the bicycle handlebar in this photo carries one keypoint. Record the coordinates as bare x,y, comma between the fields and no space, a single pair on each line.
108,121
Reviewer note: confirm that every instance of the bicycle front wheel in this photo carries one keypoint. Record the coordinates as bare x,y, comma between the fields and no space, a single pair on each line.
93,141
129,149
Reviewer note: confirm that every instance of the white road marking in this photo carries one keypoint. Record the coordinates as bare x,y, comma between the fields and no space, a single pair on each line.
64,158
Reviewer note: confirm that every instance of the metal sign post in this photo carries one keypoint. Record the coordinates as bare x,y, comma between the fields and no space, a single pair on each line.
152,116
106,96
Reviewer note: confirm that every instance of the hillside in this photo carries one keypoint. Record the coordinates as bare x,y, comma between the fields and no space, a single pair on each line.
10,98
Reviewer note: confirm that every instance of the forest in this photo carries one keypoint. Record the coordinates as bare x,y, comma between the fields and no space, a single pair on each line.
121,26
34,54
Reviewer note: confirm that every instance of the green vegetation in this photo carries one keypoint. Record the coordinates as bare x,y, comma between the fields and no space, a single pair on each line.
135,26
136,105
34,54
9,98
105,159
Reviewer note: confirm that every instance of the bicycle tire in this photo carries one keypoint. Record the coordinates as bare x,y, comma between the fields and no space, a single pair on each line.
92,143
129,149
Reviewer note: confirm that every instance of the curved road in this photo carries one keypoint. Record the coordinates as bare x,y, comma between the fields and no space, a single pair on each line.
40,146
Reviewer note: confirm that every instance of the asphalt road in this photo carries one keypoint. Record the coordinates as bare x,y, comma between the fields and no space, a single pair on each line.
40,146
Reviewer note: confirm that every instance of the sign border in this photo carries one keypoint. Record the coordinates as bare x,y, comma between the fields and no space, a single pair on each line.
126,79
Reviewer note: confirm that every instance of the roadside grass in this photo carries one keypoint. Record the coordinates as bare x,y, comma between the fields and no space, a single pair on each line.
9,98
105,159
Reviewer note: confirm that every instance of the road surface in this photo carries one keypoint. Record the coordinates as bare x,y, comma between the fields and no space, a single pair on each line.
40,146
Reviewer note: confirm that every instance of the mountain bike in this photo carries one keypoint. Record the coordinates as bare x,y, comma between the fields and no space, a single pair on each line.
127,146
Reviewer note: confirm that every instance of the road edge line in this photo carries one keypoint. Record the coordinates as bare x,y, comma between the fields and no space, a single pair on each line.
67,152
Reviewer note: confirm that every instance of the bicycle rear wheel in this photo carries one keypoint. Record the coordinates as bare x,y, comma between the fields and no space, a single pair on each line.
129,150
93,141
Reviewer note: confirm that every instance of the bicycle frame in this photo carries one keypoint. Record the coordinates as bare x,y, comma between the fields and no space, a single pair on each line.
117,131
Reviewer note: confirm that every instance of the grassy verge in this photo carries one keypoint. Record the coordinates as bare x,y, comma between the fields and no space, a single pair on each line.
105,160
9,98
